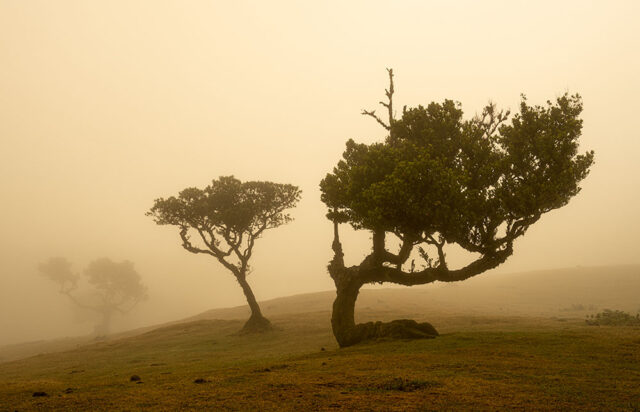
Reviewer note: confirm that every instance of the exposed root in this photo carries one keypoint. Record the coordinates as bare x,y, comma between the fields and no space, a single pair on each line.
397,329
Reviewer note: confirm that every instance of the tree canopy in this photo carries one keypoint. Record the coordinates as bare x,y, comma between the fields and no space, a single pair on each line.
118,283
440,179
58,270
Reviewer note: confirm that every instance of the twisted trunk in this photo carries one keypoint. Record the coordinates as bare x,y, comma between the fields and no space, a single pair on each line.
375,268
343,316
348,333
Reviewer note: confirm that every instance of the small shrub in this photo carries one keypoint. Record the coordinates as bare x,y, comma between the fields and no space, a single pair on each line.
613,318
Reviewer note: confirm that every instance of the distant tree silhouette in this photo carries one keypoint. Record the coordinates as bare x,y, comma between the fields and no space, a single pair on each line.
113,287
438,179
227,217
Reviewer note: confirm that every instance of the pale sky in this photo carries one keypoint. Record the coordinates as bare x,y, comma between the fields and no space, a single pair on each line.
107,105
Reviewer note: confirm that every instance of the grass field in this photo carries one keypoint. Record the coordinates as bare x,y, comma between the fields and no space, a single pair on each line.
507,343
479,363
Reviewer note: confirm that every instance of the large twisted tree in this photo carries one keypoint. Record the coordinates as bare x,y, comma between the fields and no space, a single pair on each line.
439,179
226,218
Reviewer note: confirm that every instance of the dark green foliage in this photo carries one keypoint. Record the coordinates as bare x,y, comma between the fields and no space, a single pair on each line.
228,205
437,173
440,179
613,318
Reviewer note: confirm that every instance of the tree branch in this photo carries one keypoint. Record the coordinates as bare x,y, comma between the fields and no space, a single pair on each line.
491,119
389,93
389,106
403,254
372,113
519,227
383,274
338,255
209,244
251,240
77,302
186,243
235,241
125,311
379,246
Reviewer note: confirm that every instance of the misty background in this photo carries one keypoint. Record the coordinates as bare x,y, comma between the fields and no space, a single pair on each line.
105,106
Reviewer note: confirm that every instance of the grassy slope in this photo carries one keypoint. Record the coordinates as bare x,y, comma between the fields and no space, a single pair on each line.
541,293
573,293
481,362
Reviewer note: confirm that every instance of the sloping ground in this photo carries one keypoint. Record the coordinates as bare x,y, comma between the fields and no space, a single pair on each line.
566,293
572,292
479,363
553,292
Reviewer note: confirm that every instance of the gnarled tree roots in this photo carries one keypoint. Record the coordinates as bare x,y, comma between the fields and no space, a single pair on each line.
396,329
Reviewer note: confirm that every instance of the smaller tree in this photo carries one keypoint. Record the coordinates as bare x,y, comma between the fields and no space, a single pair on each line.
227,217
115,287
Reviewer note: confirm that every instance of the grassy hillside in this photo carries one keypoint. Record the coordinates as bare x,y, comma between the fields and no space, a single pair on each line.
482,361
571,292
567,293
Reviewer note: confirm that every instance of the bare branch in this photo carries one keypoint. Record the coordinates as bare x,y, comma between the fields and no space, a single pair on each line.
520,227
186,243
389,93
218,254
372,113
130,308
389,106
210,244
78,303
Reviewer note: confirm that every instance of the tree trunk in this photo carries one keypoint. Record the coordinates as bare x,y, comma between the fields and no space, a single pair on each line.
103,327
348,333
256,322
343,315
348,282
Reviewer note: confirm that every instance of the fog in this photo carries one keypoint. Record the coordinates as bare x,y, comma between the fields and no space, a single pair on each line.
106,106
